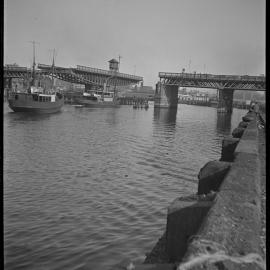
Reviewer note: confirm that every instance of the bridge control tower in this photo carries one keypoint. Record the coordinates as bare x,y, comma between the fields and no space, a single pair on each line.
114,65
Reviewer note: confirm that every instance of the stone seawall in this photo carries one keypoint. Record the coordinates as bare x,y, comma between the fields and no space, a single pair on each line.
219,227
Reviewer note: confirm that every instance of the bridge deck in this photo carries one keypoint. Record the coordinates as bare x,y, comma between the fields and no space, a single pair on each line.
80,75
236,82
166,75
108,73
94,71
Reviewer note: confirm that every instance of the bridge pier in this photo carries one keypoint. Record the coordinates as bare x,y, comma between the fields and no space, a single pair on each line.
225,100
166,96
7,86
10,84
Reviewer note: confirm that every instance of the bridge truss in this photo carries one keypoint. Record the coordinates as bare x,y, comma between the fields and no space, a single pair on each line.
233,82
16,72
80,75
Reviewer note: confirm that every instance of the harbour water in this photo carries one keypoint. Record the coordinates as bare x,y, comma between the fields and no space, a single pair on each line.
89,188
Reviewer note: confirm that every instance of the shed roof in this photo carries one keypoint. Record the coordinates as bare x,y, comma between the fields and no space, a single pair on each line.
113,61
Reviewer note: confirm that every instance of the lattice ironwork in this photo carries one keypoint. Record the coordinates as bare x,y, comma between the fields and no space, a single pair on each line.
254,83
92,76
16,72
79,75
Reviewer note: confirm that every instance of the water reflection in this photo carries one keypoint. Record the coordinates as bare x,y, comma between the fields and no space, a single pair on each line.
224,123
93,185
26,116
165,116
111,116
164,127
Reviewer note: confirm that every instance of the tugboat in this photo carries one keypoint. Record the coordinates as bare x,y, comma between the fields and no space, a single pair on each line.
102,97
36,99
98,99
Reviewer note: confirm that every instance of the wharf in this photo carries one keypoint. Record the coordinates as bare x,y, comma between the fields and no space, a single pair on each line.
262,154
223,225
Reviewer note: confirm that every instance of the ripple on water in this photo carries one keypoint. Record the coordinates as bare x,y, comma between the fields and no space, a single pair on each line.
89,188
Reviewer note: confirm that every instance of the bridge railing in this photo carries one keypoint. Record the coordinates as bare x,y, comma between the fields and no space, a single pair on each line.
15,68
108,73
169,75
133,77
43,66
47,68
93,70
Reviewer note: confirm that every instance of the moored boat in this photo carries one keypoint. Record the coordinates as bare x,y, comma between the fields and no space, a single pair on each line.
98,99
35,102
36,99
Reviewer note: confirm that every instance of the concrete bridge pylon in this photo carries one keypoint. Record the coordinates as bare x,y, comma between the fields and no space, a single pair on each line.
225,100
166,96
167,88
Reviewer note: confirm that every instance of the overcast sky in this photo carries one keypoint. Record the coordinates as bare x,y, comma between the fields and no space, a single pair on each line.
215,36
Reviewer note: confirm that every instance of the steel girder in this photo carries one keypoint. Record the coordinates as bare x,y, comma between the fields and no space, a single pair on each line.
254,83
95,77
75,75
16,72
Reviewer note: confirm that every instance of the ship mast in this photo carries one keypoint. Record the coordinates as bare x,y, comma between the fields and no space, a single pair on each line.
114,91
53,68
34,64
119,57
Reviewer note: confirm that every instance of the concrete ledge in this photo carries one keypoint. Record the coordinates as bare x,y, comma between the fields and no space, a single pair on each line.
243,124
249,117
229,145
223,231
249,141
159,253
156,266
232,226
165,266
238,132
183,220
211,176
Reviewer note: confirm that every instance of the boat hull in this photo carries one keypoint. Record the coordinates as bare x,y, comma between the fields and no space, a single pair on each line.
25,103
97,104
35,110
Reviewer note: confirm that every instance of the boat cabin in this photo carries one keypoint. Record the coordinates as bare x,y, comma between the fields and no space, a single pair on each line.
34,89
99,95
33,97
